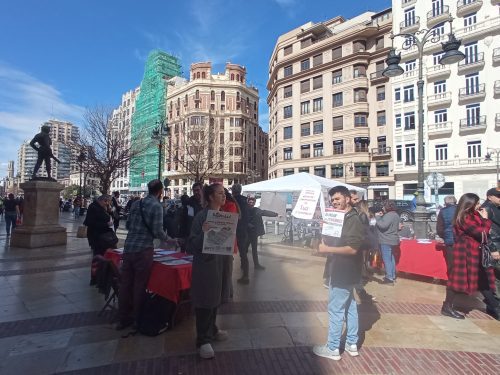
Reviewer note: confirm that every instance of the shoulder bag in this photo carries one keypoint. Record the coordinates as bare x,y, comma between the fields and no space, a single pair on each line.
486,248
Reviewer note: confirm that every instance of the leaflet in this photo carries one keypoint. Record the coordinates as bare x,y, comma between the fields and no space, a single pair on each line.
219,239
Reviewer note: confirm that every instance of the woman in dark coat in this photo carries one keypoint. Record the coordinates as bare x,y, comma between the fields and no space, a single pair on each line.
99,222
208,278
388,238
468,275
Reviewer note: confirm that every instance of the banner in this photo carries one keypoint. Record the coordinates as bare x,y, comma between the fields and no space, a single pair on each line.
306,204
219,239
333,223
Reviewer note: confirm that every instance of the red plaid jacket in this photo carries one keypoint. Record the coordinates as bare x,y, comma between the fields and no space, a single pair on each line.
468,275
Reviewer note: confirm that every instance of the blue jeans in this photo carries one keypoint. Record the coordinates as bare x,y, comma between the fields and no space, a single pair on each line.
389,261
341,304
10,220
76,212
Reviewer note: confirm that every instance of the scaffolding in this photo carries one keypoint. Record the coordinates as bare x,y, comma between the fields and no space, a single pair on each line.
150,109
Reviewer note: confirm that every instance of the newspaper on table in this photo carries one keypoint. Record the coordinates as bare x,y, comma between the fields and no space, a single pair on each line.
333,223
220,238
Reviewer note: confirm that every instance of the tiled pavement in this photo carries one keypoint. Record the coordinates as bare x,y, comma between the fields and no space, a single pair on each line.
49,324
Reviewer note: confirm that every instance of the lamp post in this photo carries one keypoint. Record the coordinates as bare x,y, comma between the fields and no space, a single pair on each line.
451,55
160,131
488,157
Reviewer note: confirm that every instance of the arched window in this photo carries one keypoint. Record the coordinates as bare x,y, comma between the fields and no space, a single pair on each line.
248,101
212,95
223,96
203,75
198,75
238,77
237,96
197,94
178,102
232,76
255,106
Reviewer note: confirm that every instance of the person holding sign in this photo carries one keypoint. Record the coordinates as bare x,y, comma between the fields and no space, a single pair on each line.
344,273
207,285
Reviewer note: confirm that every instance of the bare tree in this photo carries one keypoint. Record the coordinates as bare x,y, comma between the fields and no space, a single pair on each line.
107,146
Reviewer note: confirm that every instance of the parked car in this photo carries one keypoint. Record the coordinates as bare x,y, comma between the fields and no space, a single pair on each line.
404,209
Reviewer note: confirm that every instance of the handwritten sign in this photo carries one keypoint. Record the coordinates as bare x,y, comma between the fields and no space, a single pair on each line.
334,221
306,204
220,238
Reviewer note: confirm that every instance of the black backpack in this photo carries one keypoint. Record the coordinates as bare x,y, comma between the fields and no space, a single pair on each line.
155,316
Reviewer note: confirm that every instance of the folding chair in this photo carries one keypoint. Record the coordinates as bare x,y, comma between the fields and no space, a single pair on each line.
107,281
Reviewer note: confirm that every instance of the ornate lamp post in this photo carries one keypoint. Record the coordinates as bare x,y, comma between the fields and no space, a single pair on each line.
159,132
451,55
488,157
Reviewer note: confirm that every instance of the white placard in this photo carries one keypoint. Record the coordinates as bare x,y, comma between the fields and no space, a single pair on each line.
306,204
275,202
333,223
219,239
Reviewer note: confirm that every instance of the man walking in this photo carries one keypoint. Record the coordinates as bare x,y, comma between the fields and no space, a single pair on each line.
241,232
145,223
492,206
116,209
11,213
77,205
344,255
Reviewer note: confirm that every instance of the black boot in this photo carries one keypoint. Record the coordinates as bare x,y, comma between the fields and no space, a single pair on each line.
493,311
447,310
259,267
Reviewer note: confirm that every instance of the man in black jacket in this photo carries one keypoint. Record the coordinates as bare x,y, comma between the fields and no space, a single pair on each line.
116,209
492,205
241,231
256,229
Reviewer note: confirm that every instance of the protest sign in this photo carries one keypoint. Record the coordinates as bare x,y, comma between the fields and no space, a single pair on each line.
219,239
333,223
306,204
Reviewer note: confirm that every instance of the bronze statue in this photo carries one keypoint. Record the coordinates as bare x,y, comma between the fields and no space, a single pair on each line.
44,151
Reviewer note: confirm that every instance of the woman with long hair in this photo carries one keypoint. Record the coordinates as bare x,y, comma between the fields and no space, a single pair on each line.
467,274
388,237
208,277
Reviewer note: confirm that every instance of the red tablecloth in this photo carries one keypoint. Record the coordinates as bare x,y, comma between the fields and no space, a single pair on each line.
165,280
426,259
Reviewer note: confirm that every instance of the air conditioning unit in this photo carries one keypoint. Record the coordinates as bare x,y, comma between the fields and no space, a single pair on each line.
365,179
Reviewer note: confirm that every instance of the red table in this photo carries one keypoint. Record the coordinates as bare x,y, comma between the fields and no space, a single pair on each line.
167,281
426,259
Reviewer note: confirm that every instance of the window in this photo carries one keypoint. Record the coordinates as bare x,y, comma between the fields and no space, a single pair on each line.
441,152
338,123
410,65
288,50
288,70
318,59
410,154
337,171
359,71
410,17
304,169
337,53
361,144
337,76
382,169
305,129
410,121
473,114
397,120
379,43
338,147
287,132
359,46
473,149
361,170
223,96
397,95
305,152
436,57
440,116
304,86
287,111
287,153
287,171
287,91
338,99
317,82
399,153
304,108
439,87
471,53
472,83
438,30
380,93
380,118
469,21
318,149
437,7
317,105
318,127
304,65
408,94
360,119
360,95
320,171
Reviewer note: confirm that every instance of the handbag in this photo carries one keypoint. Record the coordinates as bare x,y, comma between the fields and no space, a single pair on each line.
108,239
486,248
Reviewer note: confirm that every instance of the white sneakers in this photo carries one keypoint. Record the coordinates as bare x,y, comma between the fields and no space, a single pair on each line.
325,351
206,351
352,350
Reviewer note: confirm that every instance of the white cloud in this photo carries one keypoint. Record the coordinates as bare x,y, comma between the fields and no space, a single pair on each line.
25,103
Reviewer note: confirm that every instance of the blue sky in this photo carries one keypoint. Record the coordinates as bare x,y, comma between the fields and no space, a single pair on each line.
59,56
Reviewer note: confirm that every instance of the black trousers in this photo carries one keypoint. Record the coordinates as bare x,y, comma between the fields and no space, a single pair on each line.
253,241
205,325
242,241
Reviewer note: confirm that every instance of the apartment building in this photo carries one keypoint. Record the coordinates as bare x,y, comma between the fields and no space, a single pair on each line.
329,104
121,122
461,120
214,129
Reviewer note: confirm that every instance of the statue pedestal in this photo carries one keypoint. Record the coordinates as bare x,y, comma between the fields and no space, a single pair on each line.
41,216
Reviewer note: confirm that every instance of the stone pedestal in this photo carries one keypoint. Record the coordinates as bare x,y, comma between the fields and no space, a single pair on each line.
41,216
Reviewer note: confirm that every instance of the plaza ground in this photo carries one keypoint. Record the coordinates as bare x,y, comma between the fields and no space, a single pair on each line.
49,322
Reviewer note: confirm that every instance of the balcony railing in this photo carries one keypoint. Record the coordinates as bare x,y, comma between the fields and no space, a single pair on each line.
438,13
497,121
377,75
361,148
467,6
496,55
443,98
472,92
381,151
473,123
496,90
407,3
487,27
471,61
440,128
438,70
410,24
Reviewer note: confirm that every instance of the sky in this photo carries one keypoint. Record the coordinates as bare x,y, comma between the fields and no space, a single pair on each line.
58,57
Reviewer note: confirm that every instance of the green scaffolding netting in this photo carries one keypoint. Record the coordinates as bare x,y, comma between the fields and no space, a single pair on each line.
150,109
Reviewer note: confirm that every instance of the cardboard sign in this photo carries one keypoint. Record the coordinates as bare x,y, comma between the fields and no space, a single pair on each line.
306,204
333,223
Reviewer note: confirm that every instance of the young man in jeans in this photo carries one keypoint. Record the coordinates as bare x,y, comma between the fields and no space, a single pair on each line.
345,261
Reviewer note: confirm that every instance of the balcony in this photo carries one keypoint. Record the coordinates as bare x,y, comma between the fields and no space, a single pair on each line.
438,71
497,122
407,3
471,62
468,6
377,77
439,100
474,92
473,125
496,89
361,148
487,27
381,152
440,129
409,25
496,56
437,15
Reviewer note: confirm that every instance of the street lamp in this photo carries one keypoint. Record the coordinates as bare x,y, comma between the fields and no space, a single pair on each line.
487,157
160,131
451,55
